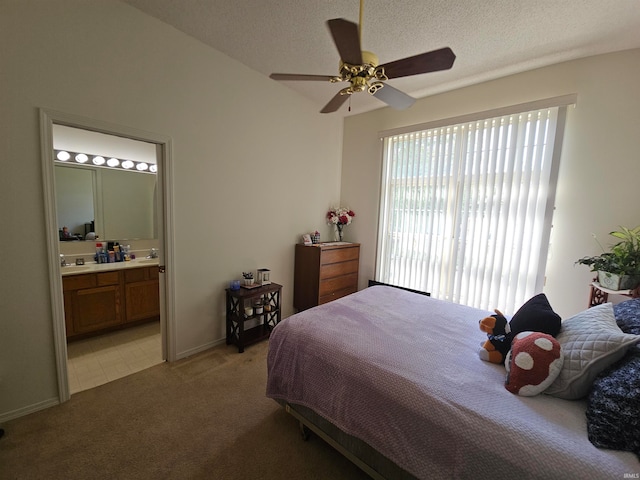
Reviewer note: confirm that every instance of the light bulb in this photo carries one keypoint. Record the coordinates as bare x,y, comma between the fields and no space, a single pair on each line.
98,160
63,156
113,162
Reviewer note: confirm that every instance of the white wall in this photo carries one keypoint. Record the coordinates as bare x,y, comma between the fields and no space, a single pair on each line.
599,178
255,166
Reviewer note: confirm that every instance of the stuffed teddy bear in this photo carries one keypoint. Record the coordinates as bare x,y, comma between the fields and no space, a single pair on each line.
536,315
497,345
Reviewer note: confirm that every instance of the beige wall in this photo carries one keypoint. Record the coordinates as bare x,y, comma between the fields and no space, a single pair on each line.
255,166
599,170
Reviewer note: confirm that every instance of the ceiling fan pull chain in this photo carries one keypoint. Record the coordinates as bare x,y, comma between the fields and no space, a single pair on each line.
349,102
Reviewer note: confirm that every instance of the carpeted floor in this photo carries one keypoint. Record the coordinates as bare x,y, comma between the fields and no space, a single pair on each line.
202,417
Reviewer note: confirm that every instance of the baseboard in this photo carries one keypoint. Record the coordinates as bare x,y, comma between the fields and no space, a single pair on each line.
201,348
29,409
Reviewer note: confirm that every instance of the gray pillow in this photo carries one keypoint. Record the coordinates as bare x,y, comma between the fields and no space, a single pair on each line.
591,341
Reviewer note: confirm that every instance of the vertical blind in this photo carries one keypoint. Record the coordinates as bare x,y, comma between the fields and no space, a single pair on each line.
465,209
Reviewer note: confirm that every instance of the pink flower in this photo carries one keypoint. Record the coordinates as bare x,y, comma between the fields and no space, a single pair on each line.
340,216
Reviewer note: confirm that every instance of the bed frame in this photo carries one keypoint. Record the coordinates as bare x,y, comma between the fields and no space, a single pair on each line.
372,462
369,460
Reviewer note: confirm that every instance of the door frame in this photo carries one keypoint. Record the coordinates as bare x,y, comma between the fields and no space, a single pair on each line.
165,231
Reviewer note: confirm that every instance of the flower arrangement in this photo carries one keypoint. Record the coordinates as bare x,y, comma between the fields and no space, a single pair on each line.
340,216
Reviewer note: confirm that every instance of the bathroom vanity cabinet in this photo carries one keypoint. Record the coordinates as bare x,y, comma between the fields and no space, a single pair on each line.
142,294
99,302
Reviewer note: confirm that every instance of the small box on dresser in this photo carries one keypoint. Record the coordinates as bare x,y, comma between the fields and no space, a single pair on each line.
324,272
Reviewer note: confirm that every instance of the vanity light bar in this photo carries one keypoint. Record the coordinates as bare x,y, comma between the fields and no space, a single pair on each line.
64,156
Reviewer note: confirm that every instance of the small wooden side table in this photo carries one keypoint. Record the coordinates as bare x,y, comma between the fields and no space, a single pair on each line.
600,294
269,296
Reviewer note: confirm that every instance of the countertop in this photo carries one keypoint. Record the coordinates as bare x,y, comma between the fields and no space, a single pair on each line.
92,267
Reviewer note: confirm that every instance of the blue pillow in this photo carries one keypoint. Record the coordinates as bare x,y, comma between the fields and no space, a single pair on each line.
613,405
628,316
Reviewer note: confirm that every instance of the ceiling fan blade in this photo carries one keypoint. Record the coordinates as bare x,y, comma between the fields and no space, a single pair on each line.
335,103
423,63
294,76
394,97
345,36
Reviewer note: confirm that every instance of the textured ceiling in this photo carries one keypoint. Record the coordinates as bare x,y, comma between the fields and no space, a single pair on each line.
490,38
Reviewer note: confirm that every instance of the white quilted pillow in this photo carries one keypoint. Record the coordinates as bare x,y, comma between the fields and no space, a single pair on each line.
591,341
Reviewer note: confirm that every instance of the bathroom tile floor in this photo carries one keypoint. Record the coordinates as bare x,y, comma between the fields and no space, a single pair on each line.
96,361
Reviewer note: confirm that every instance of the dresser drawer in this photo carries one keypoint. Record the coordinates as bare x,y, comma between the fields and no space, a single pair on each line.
336,269
337,294
340,255
343,282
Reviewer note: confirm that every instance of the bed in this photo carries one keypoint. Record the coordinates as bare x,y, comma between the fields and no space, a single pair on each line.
393,380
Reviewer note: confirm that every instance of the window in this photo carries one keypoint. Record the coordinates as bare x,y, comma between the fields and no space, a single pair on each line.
466,208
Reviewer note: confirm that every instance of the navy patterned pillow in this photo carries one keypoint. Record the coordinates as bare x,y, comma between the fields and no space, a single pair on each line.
628,316
613,406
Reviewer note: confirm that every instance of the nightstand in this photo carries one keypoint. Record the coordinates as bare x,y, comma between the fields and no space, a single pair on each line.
238,303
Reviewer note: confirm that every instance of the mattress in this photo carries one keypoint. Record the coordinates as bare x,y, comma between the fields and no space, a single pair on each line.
401,372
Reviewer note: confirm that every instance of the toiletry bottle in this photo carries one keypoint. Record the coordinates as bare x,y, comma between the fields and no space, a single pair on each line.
99,251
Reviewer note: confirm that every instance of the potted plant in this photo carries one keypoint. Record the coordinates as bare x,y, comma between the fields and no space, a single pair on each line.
248,278
619,268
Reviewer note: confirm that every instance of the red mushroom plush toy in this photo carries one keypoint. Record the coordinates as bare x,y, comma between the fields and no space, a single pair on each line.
533,363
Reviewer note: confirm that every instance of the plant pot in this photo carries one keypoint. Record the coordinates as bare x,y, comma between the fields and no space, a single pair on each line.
618,282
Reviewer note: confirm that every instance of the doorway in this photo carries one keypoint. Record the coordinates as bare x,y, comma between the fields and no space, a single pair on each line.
50,120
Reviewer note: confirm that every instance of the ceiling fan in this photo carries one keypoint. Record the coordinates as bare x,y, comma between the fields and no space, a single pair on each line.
361,69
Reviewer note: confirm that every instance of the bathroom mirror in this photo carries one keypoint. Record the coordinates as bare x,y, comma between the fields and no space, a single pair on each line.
120,203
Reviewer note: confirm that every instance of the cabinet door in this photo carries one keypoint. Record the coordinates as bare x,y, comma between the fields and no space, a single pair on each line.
143,300
96,308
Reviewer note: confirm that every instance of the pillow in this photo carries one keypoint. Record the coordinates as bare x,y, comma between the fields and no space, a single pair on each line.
628,316
613,406
533,363
536,315
591,341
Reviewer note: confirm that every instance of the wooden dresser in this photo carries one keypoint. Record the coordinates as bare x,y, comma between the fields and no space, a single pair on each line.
324,272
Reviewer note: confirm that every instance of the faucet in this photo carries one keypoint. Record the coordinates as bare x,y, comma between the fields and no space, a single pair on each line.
63,262
153,253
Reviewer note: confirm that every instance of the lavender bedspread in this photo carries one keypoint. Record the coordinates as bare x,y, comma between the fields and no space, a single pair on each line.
401,372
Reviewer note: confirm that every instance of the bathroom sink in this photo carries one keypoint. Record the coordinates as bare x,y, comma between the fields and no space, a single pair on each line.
147,260
75,268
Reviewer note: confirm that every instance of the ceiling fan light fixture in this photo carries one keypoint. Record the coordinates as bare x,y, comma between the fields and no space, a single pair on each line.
374,87
379,74
361,69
